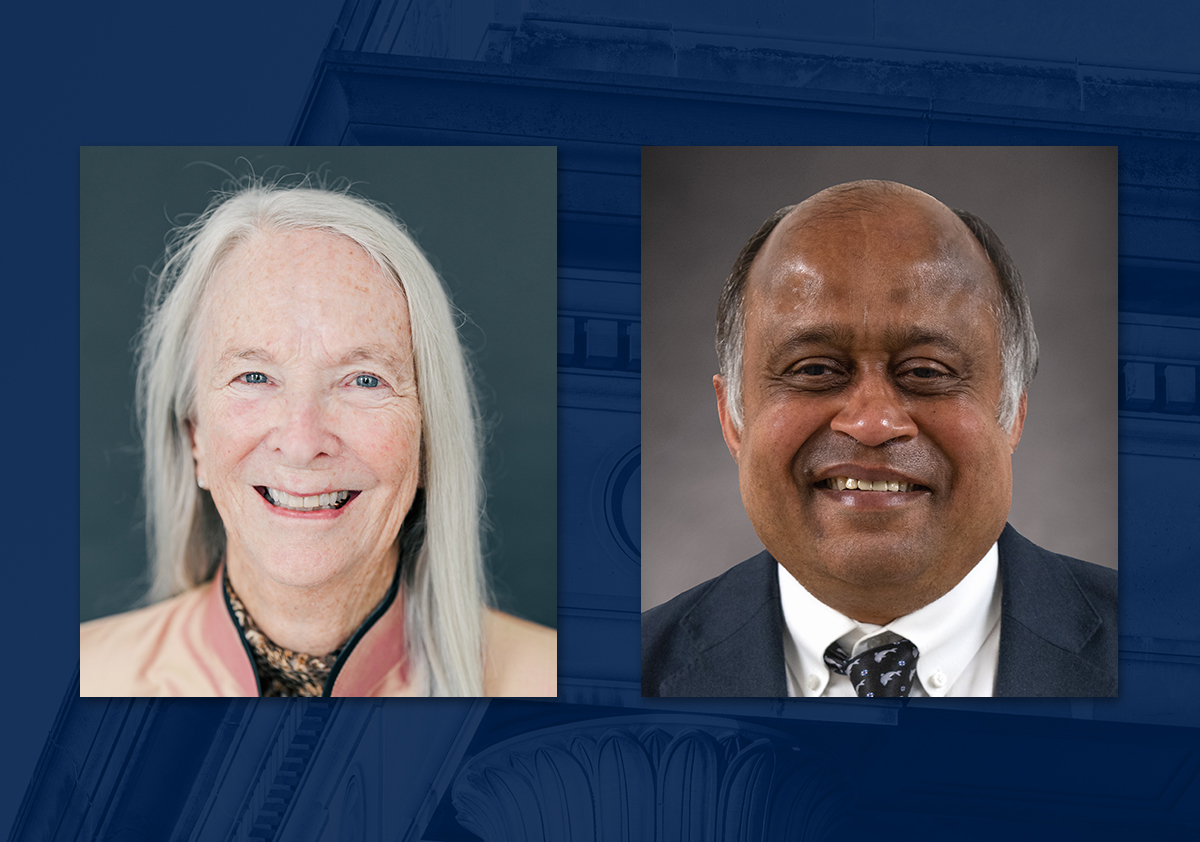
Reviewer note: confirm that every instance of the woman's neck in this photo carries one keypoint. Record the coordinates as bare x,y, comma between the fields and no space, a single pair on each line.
314,620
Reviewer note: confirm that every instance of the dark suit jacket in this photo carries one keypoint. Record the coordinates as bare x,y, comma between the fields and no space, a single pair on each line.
1058,630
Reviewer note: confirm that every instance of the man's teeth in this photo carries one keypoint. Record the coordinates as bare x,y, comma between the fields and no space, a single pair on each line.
843,483
284,500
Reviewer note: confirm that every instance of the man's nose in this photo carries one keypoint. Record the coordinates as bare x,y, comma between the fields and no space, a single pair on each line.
304,432
873,413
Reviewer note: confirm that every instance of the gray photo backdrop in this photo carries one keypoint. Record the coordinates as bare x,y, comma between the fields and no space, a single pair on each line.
486,216
1054,208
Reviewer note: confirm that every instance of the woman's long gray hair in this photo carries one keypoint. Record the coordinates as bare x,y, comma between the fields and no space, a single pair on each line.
442,576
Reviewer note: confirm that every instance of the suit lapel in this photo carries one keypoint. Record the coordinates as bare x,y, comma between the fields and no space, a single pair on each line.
736,632
1046,622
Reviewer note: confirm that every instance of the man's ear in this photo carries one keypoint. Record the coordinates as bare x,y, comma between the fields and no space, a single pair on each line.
731,432
1014,437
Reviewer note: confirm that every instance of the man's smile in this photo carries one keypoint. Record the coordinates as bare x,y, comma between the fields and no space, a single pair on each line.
860,486
843,483
870,494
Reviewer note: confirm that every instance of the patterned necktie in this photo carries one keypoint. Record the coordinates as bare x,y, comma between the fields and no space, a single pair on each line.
885,671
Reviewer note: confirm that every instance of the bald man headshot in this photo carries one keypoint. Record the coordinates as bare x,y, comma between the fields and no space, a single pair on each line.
875,352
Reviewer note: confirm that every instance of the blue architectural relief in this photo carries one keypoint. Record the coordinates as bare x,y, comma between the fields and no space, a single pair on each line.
602,763
651,778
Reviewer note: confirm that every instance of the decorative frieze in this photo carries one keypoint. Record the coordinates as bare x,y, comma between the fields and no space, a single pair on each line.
650,778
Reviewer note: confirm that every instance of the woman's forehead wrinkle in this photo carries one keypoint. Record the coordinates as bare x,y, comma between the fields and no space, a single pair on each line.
282,296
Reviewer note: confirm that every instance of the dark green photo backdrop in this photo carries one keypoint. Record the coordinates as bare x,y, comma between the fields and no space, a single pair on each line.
485,216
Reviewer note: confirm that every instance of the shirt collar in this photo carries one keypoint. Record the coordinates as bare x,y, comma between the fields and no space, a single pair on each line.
948,632
281,672
374,661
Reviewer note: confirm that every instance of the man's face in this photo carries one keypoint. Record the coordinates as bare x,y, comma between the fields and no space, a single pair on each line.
871,354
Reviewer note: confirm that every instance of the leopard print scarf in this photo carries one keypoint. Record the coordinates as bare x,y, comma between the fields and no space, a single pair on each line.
281,672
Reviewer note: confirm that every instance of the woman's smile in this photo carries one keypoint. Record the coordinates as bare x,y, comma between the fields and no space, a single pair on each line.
316,503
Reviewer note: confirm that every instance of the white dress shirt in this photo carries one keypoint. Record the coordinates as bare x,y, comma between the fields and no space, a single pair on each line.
957,635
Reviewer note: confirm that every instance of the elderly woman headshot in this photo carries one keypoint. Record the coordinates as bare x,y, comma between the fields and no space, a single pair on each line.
311,471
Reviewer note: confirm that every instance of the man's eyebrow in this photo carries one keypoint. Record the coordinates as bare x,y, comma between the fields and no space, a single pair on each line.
835,335
841,336
914,335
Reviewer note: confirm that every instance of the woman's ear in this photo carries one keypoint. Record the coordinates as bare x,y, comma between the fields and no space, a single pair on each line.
197,452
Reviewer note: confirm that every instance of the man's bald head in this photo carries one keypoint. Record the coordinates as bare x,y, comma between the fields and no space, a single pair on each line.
845,202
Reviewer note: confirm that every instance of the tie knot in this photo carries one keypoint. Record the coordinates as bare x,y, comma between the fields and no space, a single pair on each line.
884,671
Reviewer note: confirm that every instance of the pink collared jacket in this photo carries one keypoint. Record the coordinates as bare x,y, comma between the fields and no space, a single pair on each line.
190,645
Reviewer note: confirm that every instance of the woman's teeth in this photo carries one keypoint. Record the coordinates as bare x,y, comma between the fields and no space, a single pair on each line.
332,500
844,483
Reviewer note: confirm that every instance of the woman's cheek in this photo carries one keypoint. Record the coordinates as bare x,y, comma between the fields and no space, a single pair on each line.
387,435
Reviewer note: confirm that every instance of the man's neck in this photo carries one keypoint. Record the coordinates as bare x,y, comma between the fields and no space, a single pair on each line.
881,604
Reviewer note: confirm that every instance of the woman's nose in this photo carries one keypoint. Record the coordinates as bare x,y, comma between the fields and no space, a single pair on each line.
305,432
873,413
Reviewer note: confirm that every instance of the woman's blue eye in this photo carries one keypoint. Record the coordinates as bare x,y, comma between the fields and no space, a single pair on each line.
255,377
370,381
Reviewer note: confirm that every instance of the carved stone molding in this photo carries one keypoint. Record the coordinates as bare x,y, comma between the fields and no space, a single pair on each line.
283,770
649,778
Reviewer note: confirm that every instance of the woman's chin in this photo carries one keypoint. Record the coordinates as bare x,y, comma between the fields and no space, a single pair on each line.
302,570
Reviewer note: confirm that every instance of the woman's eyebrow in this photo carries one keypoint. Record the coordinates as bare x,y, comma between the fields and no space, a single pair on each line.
372,353
255,355
375,353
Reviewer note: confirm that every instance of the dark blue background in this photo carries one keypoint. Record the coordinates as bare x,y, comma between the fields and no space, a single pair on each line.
227,73
88,74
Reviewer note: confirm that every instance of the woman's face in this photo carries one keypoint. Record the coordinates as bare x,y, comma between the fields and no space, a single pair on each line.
307,427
